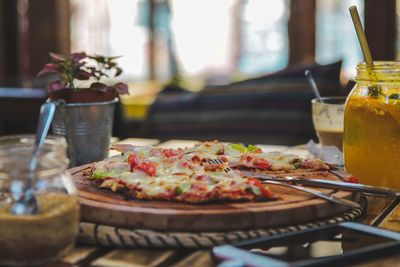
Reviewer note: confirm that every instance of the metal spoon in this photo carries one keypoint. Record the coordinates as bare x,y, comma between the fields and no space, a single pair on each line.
25,201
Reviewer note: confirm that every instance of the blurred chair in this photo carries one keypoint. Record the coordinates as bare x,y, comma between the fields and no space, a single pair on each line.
271,109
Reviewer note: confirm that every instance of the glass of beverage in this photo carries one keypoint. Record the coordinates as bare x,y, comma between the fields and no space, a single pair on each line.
328,120
48,234
372,125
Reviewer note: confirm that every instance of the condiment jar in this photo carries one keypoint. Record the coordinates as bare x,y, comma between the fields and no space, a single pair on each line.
49,234
372,125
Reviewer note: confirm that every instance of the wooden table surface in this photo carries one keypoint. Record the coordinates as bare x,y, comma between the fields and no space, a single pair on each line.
382,212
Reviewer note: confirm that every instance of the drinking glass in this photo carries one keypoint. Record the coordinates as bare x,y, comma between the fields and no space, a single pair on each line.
328,120
49,234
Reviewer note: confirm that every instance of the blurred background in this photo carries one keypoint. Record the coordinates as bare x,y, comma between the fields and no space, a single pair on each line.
197,69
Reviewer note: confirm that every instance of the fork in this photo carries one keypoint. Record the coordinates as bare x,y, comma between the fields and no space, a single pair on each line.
218,161
312,192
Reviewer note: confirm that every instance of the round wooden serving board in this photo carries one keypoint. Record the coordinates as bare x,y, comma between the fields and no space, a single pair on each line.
102,206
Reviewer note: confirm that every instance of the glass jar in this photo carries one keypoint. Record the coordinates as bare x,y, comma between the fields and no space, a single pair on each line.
372,125
49,234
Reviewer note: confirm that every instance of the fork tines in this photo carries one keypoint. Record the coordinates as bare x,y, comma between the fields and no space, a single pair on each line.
218,161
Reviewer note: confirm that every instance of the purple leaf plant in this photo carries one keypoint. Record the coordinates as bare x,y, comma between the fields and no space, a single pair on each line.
82,67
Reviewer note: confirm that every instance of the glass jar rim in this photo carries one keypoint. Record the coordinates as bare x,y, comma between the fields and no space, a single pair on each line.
6,141
384,72
330,100
15,150
384,66
30,136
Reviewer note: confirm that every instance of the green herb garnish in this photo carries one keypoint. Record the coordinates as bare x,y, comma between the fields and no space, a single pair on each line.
297,164
238,147
252,148
178,191
100,174
375,91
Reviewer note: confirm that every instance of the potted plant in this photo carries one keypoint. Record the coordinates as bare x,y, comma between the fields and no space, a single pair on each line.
85,105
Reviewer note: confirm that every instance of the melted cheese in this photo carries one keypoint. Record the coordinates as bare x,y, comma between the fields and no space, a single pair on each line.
185,169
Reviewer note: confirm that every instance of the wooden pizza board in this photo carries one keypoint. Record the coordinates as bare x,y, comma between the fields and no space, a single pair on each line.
102,206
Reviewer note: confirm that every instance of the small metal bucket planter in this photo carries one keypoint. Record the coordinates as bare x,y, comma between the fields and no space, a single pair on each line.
87,128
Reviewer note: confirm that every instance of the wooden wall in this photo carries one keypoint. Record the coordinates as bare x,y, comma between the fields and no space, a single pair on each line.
301,28
28,31
380,28
9,59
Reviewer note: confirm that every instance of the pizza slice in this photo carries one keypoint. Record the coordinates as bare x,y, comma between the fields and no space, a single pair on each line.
254,159
175,175
190,174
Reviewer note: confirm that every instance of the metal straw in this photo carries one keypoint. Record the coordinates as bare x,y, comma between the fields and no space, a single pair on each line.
313,85
361,37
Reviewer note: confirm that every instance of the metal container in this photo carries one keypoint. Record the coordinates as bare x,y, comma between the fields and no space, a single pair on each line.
87,128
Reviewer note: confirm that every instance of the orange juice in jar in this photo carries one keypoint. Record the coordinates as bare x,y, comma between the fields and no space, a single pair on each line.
371,142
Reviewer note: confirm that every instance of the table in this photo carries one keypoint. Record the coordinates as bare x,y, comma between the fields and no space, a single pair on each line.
382,212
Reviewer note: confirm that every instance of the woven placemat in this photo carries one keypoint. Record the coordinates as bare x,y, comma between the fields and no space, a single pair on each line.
110,236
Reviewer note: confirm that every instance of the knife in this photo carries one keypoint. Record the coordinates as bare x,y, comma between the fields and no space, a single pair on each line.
374,190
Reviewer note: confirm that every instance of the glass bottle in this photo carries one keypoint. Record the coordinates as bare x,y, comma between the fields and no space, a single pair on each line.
372,125
46,236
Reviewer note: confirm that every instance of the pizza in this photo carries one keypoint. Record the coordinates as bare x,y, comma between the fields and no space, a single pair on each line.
189,174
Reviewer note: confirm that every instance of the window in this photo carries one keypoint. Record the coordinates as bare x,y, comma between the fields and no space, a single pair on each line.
202,31
208,39
335,35
227,36
265,36
112,27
